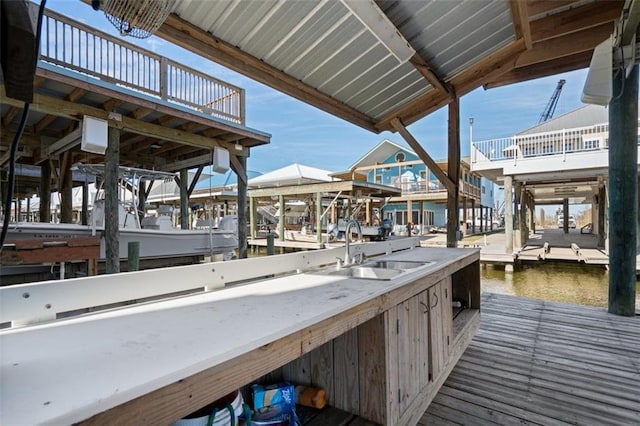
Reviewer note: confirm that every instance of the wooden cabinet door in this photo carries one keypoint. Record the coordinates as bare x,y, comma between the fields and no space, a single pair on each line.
412,328
440,325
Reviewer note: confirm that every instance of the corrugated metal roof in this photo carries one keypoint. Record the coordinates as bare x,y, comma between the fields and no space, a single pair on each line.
452,35
323,44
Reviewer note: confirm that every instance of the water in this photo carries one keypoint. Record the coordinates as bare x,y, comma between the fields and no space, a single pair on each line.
560,282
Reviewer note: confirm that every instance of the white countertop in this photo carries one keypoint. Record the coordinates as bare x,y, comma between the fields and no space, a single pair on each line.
68,370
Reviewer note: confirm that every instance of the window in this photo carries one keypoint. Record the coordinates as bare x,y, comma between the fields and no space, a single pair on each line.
483,189
429,217
591,144
400,157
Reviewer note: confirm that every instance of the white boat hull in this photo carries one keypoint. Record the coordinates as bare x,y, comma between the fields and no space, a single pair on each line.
153,243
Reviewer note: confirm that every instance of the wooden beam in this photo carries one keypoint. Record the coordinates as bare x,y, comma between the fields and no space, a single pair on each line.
73,111
570,44
194,182
426,158
111,104
473,77
539,7
8,117
43,123
542,69
575,20
191,162
521,26
238,168
141,113
429,74
76,94
69,141
182,33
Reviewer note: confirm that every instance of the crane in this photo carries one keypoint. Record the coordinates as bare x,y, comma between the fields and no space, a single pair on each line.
551,105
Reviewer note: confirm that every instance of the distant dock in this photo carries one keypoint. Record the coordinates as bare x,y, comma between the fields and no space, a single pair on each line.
546,245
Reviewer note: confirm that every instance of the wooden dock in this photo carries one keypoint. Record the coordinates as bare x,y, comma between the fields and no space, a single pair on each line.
537,362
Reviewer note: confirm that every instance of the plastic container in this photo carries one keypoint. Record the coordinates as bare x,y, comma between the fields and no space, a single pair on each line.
227,413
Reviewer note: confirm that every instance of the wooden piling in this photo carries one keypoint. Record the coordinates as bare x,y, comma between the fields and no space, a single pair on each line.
623,192
133,256
111,207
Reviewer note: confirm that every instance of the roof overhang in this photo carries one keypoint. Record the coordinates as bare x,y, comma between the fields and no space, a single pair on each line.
327,54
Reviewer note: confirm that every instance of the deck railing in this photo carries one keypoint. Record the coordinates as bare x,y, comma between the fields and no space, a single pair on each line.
579,139
434,186
73,45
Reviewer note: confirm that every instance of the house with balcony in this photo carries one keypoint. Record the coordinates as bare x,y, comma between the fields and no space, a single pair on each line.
563,161
423,198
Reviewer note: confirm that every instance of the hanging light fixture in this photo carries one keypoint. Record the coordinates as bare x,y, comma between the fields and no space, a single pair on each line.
135,18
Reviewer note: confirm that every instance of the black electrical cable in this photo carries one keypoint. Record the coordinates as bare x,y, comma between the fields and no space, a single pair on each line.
11,179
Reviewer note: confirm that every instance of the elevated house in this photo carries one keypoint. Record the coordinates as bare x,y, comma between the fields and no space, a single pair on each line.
422,194
562,161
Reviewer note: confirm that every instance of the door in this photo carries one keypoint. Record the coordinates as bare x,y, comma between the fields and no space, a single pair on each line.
440,326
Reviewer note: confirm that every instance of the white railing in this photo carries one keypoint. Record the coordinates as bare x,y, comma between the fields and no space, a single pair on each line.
72,45
434,186
580,139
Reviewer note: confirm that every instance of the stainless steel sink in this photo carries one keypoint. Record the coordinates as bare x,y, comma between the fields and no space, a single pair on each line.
397,264
365,272
376,269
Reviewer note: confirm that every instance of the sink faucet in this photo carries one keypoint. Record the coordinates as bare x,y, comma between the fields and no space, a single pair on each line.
348,260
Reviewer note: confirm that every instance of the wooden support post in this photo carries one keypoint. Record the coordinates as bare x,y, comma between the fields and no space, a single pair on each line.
517,186
463,225
482,216
184,199
252,217
333,213
473,215
45,192
281,217
602,205
241,171
453,172
524,231
319,217
112,162
532,212
270,244
490,209
565,215
367,212
623,193
508,214
66,190
85,203
133,256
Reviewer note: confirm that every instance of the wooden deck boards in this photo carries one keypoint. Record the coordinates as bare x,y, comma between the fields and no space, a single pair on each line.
537,362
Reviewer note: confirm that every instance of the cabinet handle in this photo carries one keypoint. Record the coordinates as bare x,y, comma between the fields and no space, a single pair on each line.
426,308
436,304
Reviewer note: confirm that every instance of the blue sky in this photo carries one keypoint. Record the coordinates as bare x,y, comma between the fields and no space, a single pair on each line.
304,134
